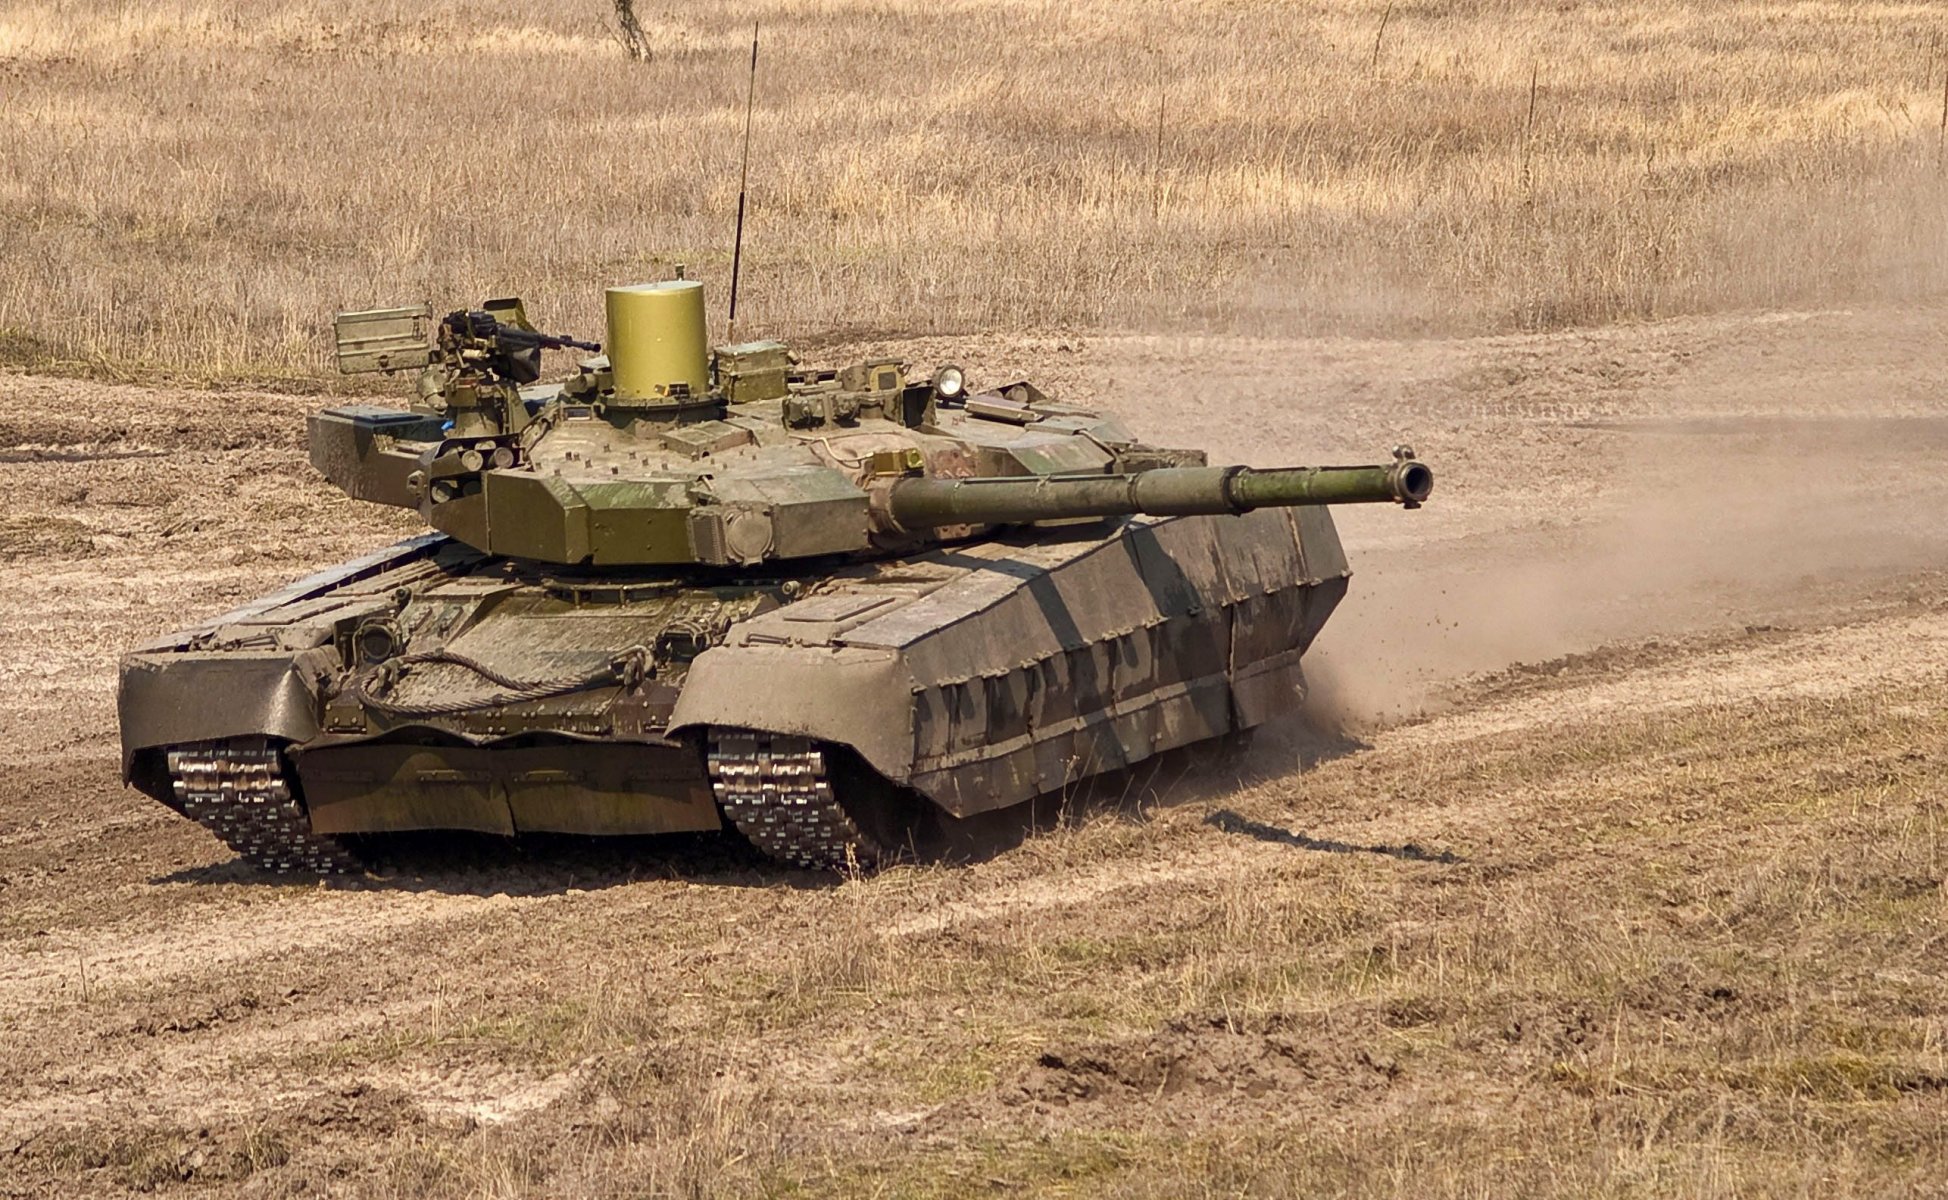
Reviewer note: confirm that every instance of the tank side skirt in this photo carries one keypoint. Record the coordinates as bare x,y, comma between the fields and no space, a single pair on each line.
1232,604
1168,702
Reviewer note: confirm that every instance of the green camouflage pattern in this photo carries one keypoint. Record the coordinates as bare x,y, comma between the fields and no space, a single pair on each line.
828,606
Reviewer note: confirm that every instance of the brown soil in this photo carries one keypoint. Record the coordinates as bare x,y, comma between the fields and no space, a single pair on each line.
1203,1069
1610,861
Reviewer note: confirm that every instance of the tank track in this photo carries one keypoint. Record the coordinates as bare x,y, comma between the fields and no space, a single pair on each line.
238,791
775,790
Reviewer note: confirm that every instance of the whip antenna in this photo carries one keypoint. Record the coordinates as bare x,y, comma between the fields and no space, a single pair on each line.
743,179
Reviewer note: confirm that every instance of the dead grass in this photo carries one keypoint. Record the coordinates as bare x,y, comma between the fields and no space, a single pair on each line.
195,187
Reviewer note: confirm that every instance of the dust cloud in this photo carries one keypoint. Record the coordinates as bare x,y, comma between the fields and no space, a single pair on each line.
1595,487
1692,525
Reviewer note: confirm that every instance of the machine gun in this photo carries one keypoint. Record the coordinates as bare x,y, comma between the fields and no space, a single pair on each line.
495,336
499,337
472,365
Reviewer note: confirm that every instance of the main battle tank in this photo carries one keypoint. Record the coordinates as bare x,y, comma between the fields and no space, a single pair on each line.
688,588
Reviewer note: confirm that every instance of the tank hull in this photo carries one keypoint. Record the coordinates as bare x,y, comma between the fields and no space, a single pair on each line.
428,686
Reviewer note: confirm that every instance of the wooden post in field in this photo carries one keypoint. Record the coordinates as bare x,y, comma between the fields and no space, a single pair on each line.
635,42
1528,135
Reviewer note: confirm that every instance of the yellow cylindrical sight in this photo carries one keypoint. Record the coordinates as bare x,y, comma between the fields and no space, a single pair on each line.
656,341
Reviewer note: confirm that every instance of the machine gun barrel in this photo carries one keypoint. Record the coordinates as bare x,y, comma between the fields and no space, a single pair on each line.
528,339
484,326
1164,491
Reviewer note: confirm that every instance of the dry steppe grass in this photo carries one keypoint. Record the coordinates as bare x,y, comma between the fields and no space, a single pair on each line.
195,186
1676,923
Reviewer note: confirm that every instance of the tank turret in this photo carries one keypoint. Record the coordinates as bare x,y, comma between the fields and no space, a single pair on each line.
688,588
661,454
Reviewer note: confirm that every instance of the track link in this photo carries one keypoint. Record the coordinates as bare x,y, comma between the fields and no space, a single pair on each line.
776,791
237,790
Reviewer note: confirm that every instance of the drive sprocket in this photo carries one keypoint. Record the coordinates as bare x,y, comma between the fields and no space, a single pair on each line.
779,795
238,791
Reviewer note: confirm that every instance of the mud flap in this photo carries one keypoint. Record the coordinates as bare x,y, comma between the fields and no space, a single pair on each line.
851,696
177,699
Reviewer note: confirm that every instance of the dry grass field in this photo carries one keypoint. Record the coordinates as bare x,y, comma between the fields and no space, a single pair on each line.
1610,862
193,186
1656,911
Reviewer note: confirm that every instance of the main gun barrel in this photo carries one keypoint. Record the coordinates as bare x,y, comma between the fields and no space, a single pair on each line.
1164,491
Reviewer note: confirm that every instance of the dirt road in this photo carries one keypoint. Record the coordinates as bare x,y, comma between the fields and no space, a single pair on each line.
1610,860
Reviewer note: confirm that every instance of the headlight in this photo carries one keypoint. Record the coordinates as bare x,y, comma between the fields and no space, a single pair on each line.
949,382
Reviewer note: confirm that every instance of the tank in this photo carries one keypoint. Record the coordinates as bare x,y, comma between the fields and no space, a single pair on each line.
687,588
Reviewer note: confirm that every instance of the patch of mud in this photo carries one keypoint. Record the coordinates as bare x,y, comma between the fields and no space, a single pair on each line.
1202,1069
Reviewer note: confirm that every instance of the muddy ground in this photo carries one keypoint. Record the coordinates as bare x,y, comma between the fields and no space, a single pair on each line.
1607,863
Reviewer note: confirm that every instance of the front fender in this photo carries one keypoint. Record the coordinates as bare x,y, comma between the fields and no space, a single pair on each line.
169,699
860,697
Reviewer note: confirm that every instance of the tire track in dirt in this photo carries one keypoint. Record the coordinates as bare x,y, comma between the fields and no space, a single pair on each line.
1038,893
114,959
1908,651
242,1071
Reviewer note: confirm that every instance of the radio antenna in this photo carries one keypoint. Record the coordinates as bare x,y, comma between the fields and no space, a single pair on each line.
743,179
